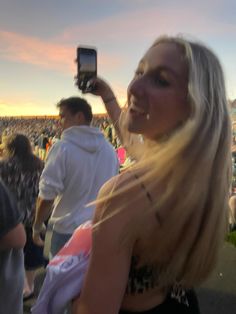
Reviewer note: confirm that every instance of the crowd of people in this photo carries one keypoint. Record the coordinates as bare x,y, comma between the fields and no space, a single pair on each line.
132,241
44,132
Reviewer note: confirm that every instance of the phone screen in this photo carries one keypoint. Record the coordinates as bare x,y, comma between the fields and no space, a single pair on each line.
87,63
87,66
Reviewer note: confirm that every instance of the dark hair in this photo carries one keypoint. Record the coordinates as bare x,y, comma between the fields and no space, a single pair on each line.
77,104
18,146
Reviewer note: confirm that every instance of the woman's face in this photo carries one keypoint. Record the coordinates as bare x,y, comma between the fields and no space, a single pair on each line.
157,96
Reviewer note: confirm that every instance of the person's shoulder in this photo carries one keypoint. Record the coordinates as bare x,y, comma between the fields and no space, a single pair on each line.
115,209
115,184
107,147
109,197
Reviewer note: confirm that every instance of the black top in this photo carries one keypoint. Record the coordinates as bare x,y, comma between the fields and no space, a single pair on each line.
9,215
23,186
140,278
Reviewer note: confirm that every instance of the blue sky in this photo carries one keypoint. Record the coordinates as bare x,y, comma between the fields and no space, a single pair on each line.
38,41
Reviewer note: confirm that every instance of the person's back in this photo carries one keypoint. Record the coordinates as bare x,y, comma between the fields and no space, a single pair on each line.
20,170
87,161
76,167
12,240
143,288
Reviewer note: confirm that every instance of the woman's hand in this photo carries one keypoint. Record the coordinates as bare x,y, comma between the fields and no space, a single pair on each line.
99,88
102,89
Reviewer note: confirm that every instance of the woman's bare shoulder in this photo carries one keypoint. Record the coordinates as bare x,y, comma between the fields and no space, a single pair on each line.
123,198
112,195
115,184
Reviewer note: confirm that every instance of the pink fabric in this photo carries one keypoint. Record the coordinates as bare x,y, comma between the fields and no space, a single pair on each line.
121,153
65,273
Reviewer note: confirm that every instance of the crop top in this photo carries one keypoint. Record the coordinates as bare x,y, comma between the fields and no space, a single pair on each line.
144,278
140,278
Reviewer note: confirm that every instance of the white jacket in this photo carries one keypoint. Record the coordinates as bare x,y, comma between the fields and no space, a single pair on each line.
76,168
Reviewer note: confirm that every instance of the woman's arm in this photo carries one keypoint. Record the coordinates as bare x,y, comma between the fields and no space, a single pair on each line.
108,271
102,89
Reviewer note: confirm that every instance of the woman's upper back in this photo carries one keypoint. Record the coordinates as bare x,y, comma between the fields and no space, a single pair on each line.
132,211
120,239
23,183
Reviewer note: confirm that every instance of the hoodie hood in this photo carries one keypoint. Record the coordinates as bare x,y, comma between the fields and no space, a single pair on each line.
86,137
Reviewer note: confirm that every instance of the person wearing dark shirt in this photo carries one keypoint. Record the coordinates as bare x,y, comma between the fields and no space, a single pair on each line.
12,241
20,170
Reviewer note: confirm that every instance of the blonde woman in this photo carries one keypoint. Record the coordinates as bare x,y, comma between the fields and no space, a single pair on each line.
158,226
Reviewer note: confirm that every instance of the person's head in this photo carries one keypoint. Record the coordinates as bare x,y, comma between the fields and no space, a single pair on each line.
177,101
158,94
74,111
17,145
175,80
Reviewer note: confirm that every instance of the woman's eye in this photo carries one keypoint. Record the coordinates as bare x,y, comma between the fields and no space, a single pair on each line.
161,81
138,73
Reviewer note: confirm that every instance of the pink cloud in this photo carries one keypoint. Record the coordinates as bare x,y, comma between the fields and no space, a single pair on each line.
147,24
24,49
30,50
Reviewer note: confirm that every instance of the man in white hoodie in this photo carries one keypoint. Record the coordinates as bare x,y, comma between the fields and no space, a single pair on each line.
76,168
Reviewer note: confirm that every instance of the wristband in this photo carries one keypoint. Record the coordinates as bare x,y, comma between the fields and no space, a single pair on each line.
109,100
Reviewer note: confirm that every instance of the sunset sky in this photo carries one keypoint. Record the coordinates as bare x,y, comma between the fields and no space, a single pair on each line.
38,41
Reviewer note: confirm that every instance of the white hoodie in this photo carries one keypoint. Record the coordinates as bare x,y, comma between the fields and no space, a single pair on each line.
76,168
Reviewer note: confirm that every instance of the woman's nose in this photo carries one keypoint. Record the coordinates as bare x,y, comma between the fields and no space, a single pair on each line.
137,86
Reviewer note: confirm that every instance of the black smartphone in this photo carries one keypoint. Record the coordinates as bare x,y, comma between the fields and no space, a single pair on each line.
86,67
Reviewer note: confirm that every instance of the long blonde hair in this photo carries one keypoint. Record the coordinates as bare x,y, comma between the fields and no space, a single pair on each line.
194,164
